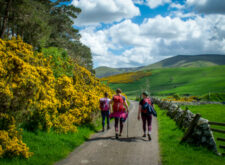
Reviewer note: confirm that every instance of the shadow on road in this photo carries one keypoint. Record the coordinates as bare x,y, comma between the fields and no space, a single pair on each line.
122,139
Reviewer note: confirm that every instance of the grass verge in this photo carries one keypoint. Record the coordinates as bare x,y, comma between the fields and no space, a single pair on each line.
173,153
51,147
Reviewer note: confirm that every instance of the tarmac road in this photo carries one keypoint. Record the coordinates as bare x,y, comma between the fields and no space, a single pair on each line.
104,149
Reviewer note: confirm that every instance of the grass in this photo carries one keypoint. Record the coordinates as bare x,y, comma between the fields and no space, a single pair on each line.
169,81
173,153
51,147
212,112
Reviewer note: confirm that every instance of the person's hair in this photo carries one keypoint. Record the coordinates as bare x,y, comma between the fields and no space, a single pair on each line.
145,93
118,91
106,94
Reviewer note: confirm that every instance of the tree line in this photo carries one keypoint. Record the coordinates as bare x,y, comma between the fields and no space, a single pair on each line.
43,24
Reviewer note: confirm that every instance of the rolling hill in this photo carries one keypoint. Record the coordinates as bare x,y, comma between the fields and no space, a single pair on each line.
189,61
184,81
107,71
185,61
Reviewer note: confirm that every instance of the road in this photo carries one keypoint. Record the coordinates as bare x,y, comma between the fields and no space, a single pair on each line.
104,149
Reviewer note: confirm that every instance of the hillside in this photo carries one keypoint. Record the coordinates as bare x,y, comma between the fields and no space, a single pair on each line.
189,61
176,61
107,71
193,81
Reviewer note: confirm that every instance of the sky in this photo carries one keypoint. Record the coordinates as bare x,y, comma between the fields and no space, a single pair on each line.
132,33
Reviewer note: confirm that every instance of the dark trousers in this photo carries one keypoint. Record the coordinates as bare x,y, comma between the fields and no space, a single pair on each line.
105,114
146,119
117,120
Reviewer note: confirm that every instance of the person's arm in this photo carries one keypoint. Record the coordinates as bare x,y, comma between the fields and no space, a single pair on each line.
111,101
152,104
126,105
110,105
139,112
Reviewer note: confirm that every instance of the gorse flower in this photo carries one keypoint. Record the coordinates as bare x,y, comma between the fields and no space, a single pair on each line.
37,94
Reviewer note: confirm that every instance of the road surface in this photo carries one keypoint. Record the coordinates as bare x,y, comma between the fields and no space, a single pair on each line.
104,149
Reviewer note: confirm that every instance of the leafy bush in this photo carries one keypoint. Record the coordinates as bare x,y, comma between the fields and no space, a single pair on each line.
176,97
10,139
60,61
44,91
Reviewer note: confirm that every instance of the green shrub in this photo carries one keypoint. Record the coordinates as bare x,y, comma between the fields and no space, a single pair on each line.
176,96
60,61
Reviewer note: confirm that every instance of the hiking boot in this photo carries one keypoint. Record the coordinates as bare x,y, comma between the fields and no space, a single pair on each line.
117,136
144,135
108,127
103,129
120,134
149,137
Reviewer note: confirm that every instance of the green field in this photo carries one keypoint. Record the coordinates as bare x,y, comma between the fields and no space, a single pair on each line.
173,153
168,81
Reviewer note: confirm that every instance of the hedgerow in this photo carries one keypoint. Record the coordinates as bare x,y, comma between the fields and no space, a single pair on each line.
42,92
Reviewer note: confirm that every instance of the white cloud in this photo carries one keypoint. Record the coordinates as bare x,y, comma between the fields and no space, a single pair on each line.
139,1
181,14
155,3
207,6
104,11
128,44
177,6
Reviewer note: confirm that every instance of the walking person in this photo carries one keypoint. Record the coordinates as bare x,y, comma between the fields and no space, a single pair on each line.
144,114
120,113
105,110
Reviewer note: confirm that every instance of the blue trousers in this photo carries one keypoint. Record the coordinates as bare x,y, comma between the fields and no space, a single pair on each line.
105,114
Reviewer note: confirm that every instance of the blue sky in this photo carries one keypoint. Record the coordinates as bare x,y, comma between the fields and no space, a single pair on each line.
131,33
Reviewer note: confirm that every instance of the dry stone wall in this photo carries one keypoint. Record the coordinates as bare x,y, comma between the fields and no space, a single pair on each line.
202,134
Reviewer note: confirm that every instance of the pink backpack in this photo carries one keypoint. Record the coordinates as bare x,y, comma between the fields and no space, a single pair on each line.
104,104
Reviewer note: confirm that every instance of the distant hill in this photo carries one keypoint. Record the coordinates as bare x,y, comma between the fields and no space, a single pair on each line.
176,61
107,71
189,61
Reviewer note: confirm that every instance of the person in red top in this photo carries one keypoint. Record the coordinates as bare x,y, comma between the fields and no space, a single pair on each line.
146,118
120,113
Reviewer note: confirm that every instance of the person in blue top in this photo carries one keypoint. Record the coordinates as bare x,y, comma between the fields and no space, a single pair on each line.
144,115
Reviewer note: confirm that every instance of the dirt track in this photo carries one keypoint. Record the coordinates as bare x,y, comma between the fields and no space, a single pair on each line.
104,149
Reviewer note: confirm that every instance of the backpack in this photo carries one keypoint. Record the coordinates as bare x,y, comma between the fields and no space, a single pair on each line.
118,104
104,104
147,108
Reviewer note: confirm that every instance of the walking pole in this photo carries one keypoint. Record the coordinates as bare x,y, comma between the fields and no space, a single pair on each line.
127,124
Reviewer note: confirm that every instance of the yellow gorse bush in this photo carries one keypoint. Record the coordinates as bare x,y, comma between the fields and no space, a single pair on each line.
126,77
11,144
181,99
32,96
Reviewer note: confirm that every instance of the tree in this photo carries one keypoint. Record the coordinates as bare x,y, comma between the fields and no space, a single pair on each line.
5,7
82,55
45,23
